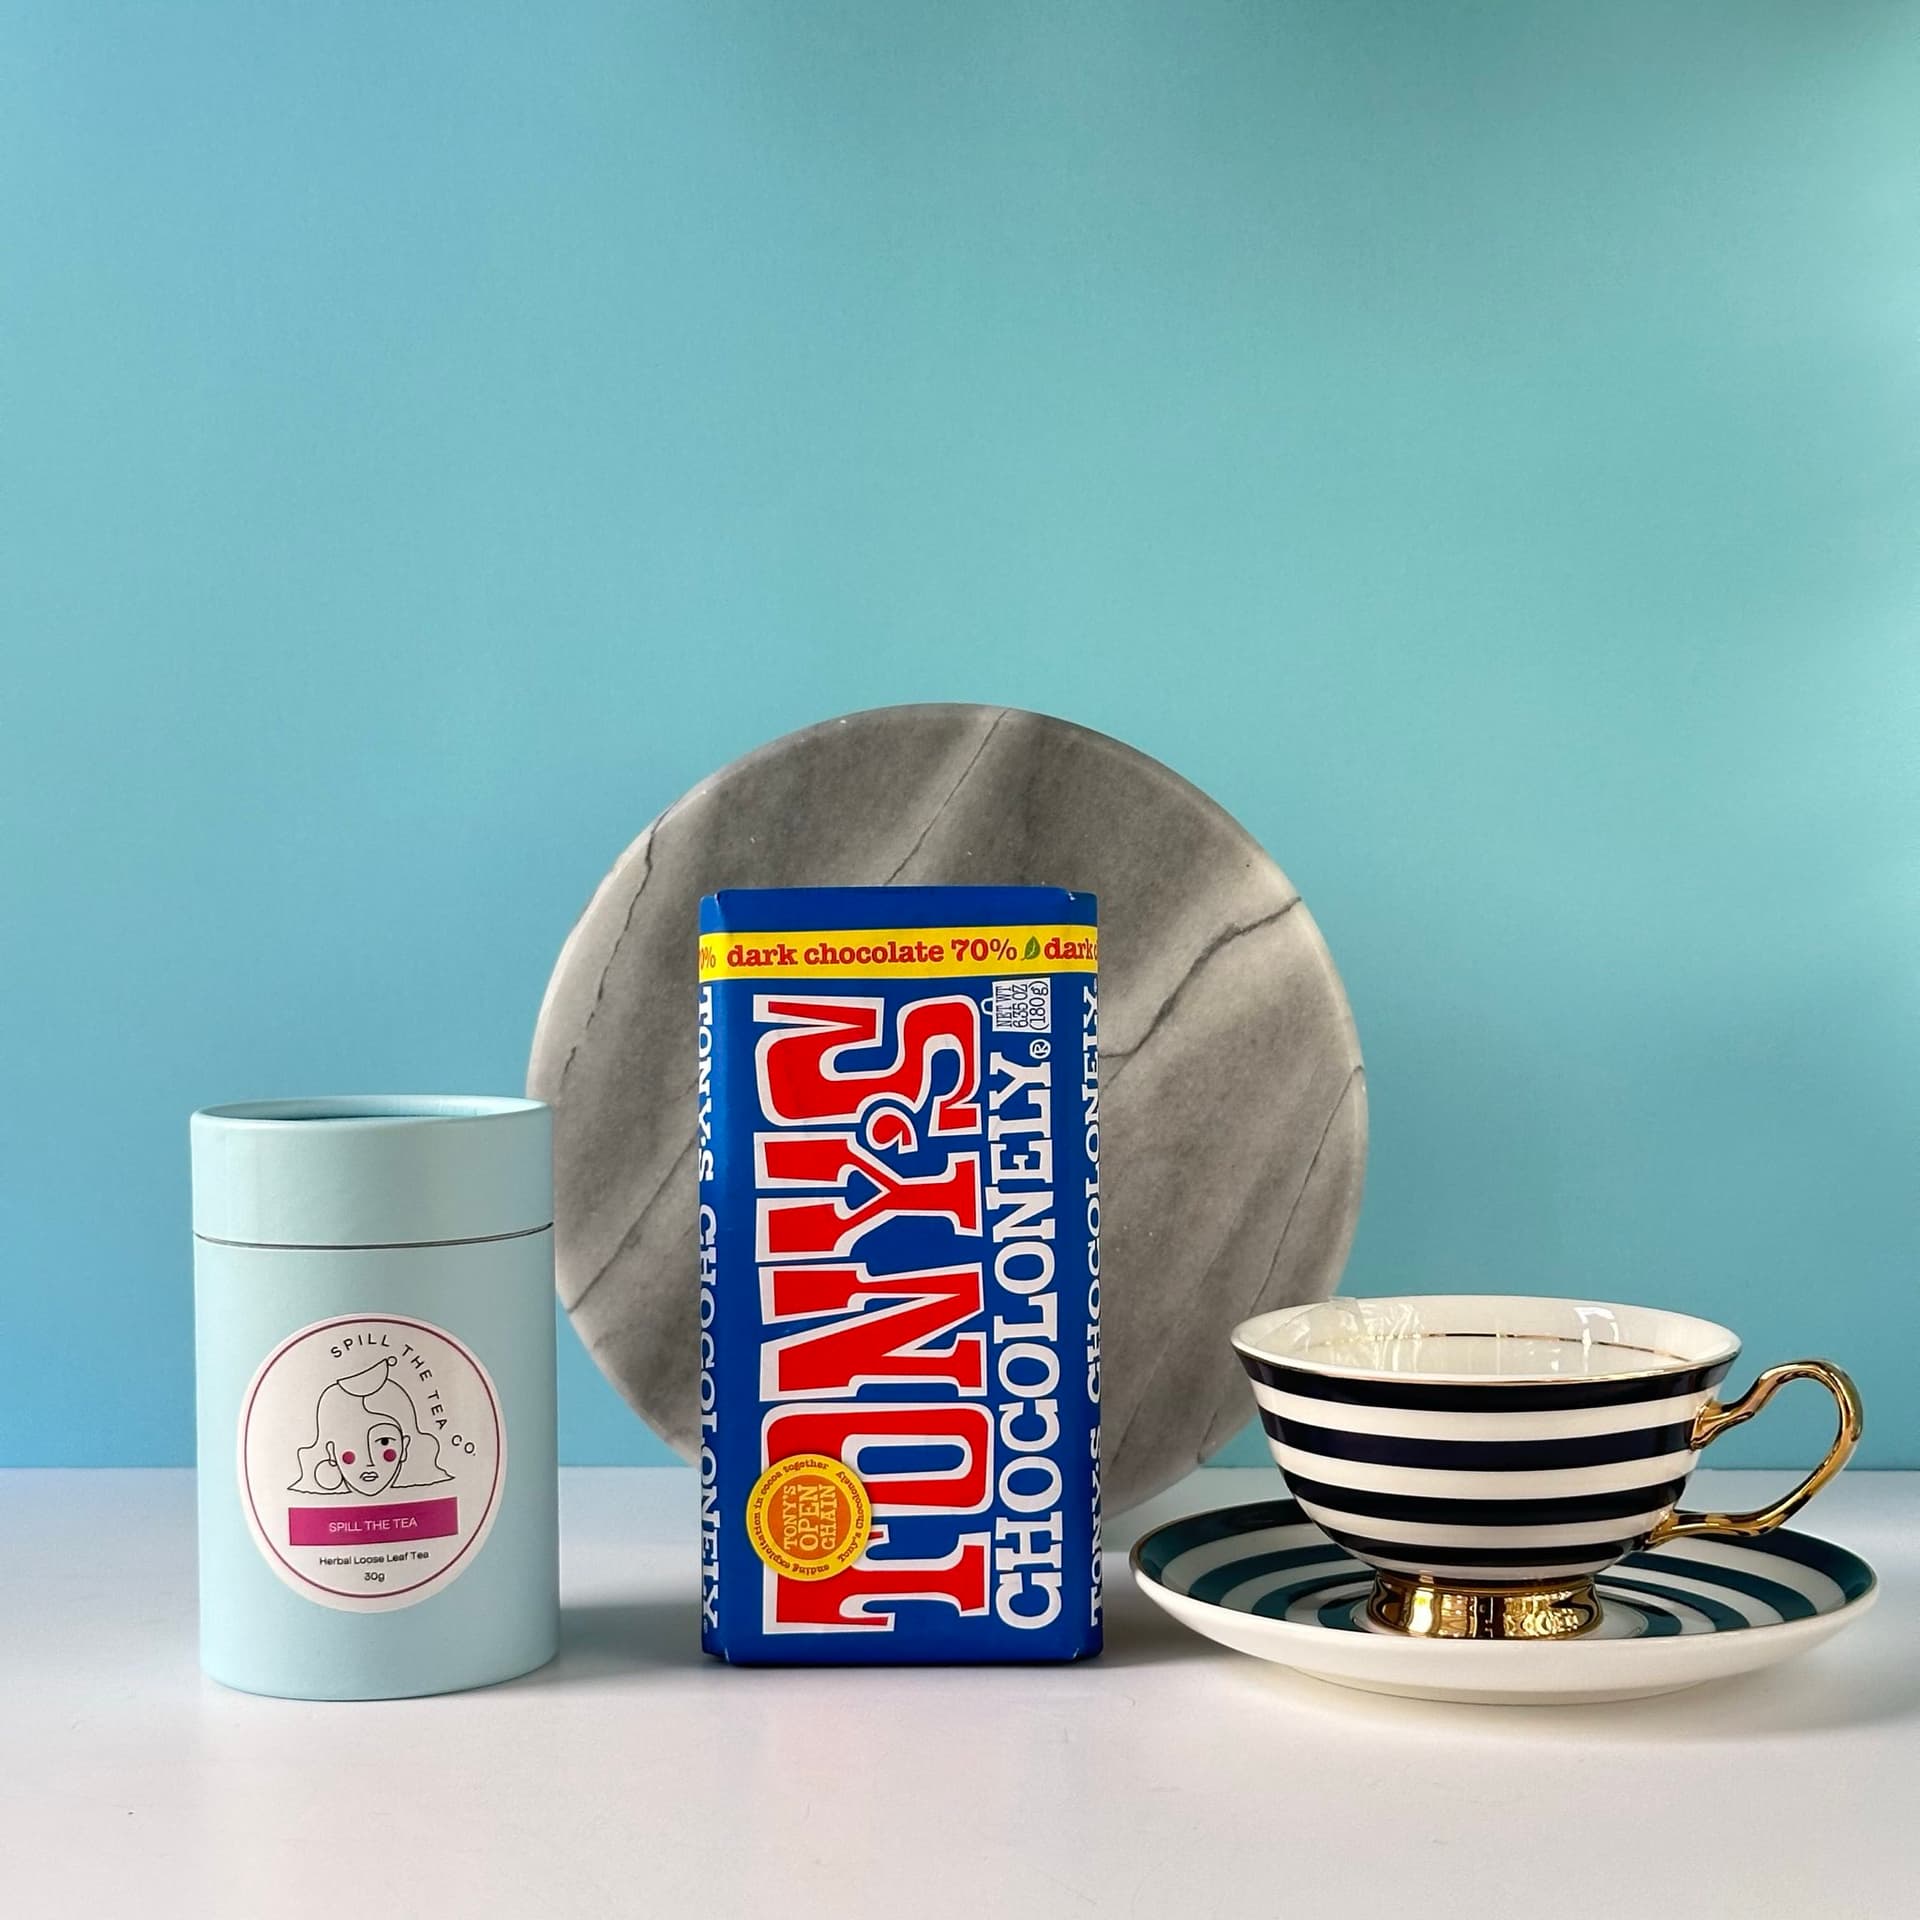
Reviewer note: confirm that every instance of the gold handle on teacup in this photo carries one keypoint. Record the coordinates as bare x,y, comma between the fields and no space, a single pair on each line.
1714,1419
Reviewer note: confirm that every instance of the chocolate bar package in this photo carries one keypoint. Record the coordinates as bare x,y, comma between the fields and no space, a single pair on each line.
899,1229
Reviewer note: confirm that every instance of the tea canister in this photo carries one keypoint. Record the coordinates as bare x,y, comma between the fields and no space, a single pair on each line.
374,1322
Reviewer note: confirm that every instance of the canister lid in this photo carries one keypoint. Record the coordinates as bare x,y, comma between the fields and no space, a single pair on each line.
372,1170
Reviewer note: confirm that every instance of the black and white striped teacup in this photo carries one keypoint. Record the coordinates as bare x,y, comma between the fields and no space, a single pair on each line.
1488,1454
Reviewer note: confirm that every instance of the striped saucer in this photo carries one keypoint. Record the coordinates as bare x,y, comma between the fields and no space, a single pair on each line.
1264,1580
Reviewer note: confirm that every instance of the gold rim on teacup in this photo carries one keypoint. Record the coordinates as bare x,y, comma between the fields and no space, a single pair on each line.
1486,1455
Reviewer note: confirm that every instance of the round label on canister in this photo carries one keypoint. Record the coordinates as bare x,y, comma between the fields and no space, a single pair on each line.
372,1452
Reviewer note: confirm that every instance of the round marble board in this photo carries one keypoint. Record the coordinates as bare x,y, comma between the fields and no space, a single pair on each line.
1233,1102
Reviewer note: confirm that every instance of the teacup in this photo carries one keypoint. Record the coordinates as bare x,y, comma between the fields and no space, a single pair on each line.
1486,1455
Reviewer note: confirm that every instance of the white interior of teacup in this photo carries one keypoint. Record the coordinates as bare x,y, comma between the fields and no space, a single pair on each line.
1484,1336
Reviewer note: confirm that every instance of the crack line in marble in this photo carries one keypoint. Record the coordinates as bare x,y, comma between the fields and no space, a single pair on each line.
1357,1077
1326,1133
933,818
613,952
631,1237
1121,1056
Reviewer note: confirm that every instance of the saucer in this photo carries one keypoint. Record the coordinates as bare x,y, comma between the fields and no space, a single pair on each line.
1265,1580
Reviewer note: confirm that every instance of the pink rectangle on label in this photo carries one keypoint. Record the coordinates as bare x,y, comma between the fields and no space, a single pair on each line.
372,1526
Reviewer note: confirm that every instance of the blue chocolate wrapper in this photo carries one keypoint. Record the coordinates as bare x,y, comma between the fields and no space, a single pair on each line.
899,1140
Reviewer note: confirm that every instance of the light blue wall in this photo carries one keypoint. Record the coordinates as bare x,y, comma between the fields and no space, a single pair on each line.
1477,442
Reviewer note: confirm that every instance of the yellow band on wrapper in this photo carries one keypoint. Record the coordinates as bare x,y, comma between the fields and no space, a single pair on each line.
808,1517
898,953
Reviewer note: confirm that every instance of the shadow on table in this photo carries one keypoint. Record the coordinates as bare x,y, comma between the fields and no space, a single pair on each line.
1810,1697
1140,1635
600,1643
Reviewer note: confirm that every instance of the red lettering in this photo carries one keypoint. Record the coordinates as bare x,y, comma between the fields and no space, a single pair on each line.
820,1229
851,1432
860,1597
890,1342
802,1081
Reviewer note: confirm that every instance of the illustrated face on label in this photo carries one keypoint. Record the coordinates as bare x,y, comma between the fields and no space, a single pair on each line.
371,1458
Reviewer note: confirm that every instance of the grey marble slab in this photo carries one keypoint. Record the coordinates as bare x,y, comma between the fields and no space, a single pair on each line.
1231,1085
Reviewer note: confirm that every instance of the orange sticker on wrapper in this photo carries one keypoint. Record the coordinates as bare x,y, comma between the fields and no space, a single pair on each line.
808,1517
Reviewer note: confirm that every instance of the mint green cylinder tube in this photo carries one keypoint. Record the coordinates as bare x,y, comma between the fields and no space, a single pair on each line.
373,1305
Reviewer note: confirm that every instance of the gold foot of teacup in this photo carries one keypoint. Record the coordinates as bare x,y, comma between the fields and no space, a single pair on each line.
1431,1612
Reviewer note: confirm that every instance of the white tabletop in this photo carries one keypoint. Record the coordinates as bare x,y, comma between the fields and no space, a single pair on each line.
635,1776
